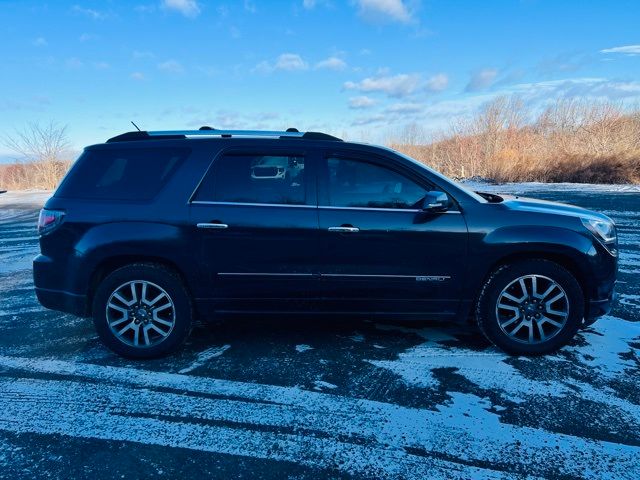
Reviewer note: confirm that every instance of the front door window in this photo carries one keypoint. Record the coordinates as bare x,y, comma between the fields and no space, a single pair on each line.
354,183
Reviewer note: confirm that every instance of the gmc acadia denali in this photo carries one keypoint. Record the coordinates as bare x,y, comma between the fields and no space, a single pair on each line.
154,229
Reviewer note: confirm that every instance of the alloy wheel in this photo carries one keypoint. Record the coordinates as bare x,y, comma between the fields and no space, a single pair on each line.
532,309
140,314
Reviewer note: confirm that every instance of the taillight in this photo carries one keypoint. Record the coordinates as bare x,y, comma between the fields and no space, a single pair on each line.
49,220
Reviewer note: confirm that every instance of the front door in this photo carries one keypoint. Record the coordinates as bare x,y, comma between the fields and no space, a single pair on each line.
255,217
379,250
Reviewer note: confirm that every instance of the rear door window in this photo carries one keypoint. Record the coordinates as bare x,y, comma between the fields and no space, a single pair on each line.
121,174
262,179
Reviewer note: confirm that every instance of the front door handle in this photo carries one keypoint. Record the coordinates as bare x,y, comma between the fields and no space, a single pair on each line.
217,225
344,229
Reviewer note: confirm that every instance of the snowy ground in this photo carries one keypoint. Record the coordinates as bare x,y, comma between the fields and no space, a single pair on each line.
303,398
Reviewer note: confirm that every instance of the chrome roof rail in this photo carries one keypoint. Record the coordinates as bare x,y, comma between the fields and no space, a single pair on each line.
210,132
226,133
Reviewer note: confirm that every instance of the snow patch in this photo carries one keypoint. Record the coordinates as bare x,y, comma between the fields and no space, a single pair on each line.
542,187
357,436
357,337
303,348
321,384
204,357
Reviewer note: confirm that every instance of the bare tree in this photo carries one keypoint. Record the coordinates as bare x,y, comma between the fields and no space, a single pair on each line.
39,143
43,152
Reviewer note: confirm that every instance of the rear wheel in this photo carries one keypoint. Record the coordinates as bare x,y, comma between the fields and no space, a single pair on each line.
530,307
142,311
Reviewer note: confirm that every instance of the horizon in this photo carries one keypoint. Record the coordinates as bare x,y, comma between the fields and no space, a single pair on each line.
361,69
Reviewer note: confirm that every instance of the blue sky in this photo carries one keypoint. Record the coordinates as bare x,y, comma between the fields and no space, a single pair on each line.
361,68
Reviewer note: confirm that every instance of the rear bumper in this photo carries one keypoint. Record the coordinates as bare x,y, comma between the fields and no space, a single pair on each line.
63,301
53,288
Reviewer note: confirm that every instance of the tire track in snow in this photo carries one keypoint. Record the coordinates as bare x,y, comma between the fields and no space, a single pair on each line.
286,423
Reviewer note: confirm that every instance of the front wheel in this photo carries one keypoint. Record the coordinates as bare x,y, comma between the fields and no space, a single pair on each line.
142,311
530,307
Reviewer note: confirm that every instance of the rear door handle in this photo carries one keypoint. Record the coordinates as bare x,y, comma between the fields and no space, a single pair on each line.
344,229
217,226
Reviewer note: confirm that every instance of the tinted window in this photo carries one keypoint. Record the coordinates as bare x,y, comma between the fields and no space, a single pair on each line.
121,174
354,183
255,179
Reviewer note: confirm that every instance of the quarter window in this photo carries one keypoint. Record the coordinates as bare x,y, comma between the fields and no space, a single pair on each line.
136,174
355,183
272,179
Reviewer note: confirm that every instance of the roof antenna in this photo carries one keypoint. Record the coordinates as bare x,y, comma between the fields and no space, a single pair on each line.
136,126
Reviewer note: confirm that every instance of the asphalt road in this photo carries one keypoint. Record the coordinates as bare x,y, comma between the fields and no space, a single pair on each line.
317,398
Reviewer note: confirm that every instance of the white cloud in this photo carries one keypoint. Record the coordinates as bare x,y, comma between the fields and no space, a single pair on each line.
377,118
39,42
332,63
362,102
188,8
171,66
627,49
384,10
437,117
249,6
405,108
143,9
482,79
585,87
311,4
89,12
437,83
85,37
395,86
290,61
137,54
101,65
74,62
263,67
137,76
564,62
287,62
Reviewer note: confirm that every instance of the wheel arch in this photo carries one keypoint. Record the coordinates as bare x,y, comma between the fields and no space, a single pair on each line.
562,259
111,264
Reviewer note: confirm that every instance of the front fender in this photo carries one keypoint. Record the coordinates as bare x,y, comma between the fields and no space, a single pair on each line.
512,242
535,236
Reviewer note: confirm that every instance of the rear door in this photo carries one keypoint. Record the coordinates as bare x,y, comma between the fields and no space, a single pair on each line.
379,249
255,218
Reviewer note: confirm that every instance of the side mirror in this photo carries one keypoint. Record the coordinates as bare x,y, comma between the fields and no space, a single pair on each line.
435,201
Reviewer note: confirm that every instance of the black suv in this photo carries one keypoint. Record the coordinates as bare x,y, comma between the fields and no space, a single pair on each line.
153,229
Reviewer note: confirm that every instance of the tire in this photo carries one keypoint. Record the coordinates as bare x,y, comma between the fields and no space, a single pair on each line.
117,308
531,325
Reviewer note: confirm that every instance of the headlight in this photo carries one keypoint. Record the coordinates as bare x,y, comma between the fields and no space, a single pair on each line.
603,230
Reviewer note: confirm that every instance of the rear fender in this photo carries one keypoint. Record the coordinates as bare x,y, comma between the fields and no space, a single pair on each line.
132,239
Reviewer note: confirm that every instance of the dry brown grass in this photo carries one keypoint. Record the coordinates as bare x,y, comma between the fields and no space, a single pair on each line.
42,175
570,141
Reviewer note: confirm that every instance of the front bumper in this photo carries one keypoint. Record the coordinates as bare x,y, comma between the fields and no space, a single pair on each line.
598,308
